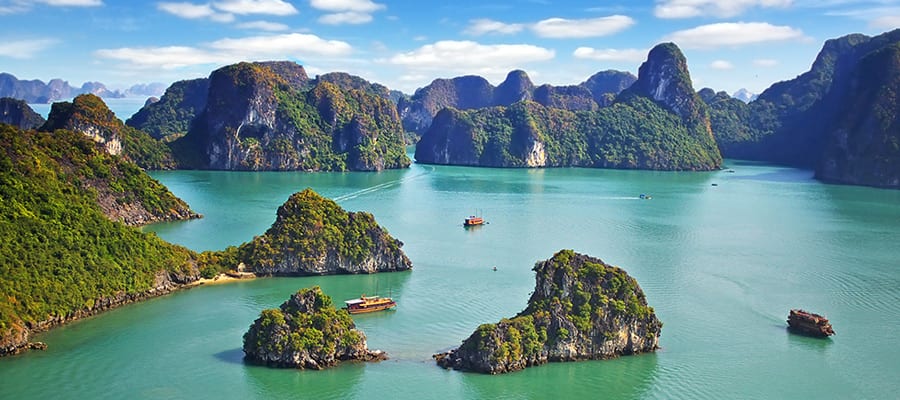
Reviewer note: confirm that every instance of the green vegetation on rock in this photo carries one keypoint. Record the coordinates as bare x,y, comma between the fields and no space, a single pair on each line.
171,116
89,115
581,309
62,256
313,235
306,332
267,116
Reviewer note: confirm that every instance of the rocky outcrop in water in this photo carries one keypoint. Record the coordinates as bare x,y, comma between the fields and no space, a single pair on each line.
659,123
862,144
581,309
474,92
306,332
171,116
17,113
270,116
313,235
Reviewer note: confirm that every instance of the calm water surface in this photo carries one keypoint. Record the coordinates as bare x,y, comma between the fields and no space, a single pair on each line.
721,264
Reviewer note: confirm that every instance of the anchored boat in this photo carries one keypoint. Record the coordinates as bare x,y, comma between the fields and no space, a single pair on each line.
808,323
367,304
473,221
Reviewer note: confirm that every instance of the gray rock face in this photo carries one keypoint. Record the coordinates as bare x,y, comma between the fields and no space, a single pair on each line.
862,145
607,84
664,77
581,309
17,113
306,332
172,114
315,236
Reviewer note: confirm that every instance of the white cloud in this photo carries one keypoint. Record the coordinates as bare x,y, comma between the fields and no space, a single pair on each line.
886,22
274,45
716,8
733,34
346,11
470,57
629,55
26,48
225,51
721,65
361,6
242,7
263,26
194,11
349,17
483,25
581,28
765,62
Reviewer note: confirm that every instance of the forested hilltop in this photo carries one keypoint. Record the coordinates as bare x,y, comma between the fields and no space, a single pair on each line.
63,256
840,117
659,122
68,253
271,116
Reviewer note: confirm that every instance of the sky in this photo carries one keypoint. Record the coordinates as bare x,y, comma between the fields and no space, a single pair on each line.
729,45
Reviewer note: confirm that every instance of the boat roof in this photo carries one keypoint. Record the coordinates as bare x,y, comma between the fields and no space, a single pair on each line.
354,301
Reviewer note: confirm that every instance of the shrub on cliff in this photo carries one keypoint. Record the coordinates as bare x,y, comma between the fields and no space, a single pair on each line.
306,332
581,309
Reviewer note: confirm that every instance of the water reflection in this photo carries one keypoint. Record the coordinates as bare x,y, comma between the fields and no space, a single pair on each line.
623,378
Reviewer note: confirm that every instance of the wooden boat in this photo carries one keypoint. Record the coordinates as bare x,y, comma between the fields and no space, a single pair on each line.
367,304
473,221
808,323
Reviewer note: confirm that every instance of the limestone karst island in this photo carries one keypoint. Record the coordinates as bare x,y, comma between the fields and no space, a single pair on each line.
262,199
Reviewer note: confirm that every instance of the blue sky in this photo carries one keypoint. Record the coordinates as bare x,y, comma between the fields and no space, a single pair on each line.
729,44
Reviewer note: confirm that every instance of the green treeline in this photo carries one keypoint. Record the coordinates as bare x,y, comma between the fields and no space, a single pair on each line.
636,134
60,252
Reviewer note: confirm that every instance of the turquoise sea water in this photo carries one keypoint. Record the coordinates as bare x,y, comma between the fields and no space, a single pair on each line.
722,265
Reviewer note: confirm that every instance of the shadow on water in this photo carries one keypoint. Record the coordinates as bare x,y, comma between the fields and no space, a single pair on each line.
621,378
340,382
233,356
800,341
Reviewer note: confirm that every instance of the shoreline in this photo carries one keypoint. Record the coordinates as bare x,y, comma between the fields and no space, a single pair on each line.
16,341
222,278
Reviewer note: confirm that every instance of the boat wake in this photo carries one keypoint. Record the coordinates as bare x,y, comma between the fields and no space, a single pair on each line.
376,188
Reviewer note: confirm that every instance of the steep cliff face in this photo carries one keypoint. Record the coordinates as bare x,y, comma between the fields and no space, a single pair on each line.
463,92
89,115
581,309
659,123
267,116
17,113
314,236
306,332
605,85
171,116
516,87
791,121
862,146
664,77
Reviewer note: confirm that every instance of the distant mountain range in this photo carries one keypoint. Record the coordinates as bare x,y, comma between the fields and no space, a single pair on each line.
37,92
744,95
839,118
